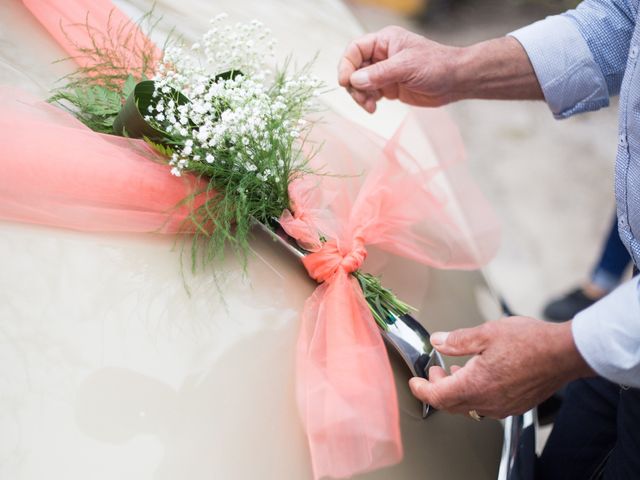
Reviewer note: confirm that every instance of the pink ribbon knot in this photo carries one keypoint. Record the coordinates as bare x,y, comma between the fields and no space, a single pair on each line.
326,262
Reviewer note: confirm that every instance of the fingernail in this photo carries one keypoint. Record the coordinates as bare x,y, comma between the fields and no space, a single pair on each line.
360,78
439,338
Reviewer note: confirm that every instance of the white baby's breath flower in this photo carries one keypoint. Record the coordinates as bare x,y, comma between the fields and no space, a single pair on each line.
242,120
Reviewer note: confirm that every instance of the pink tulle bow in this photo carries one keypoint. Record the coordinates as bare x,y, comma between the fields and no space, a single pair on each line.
346,392
401,202
308,208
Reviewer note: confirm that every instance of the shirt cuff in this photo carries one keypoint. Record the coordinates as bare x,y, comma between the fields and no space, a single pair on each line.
569,76
607,334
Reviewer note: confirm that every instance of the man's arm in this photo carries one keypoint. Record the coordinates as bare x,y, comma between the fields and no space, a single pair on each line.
607,334
607,27
397,64
574,61
517,363
579,57
497,69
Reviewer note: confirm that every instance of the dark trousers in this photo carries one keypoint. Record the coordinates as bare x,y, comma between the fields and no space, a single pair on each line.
596,434
614,257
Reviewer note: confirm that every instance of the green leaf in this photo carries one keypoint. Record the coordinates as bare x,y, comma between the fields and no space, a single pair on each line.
228,75
129,85
95,105
164,150
130,118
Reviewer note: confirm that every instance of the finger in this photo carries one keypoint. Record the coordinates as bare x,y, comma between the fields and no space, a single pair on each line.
436,373
379,75
454,369
374,95
357,53
465,341
445,394
366,100
417,385
370,105
359,96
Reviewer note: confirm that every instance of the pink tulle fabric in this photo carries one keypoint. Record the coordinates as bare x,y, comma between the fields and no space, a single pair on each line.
402,203
77,25
410,196
57,172
69,176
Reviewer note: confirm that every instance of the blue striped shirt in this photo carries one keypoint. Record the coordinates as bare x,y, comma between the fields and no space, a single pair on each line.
581,58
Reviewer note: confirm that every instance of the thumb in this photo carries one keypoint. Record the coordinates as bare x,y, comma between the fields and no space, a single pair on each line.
378,75
465,341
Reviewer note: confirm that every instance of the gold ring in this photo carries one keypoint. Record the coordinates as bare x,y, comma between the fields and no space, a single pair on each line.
475,415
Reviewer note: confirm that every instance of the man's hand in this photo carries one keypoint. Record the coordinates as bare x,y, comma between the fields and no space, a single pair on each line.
397,64
517,363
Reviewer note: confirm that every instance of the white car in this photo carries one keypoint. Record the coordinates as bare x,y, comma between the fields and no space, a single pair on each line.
112,368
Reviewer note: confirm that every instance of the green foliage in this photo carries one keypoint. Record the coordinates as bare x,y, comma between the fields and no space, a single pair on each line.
164,150
95,93
385,306
128,87
95,106
235,199
108,58
131,120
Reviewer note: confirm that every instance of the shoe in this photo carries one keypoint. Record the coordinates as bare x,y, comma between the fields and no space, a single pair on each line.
565,308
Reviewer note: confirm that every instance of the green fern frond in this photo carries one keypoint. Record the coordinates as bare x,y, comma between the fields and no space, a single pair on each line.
164,150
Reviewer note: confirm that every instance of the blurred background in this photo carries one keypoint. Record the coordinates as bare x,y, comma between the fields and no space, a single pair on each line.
550,181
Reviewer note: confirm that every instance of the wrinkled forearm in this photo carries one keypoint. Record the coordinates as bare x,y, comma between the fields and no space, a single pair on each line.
495,69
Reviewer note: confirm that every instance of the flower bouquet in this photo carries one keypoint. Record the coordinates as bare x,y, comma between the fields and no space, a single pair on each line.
217,111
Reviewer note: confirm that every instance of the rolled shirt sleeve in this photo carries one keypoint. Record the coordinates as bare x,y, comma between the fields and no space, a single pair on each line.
579,57
607,334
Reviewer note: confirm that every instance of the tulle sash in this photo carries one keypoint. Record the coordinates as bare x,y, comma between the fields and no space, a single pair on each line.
80,26
57,172
401,203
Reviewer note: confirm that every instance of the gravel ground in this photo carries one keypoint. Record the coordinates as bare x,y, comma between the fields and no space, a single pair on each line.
550,181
